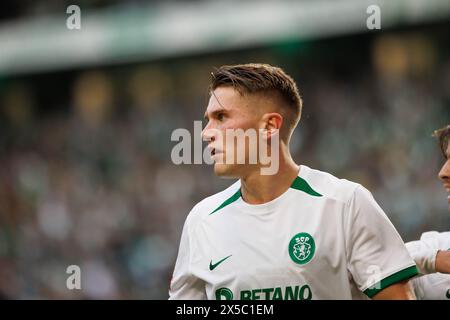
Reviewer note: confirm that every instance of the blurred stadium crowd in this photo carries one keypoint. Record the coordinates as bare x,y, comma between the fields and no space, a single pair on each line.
86,177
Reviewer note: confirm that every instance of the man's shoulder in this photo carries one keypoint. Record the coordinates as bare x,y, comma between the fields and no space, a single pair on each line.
206,206
328,185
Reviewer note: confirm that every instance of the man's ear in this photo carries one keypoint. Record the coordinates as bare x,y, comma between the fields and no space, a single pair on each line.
271,124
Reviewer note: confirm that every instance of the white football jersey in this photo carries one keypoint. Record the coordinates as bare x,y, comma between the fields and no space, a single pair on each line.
324,238
430,285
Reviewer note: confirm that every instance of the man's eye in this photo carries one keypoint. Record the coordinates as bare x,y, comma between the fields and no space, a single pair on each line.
220,116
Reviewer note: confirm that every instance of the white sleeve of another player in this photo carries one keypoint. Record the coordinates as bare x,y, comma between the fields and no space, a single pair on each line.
424,252
185,285
418,286
376,254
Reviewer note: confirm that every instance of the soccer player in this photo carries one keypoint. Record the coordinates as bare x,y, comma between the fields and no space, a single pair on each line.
431,252
297,234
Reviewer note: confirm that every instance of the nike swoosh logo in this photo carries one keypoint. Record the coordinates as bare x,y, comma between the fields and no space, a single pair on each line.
212,266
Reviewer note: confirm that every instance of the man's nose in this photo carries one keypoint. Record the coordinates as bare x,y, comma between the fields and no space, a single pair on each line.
444,174
208,133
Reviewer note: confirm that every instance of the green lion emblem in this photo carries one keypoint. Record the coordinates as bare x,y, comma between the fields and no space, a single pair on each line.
302,248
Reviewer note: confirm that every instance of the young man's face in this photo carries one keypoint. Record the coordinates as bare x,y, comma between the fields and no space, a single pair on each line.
227,110
444,174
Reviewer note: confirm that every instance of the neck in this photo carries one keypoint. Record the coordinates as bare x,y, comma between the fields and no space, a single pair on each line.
258,189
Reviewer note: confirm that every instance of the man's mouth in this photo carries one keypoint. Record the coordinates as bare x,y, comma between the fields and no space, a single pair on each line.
447,188
215,151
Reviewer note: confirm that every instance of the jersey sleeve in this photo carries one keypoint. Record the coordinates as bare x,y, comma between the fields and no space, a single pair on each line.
418,286
424,252
376,254
184,284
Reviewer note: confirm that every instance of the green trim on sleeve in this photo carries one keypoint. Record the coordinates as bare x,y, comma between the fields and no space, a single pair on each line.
230,200
393,278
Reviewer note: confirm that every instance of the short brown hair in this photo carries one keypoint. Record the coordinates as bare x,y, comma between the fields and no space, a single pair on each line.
443,135
260,78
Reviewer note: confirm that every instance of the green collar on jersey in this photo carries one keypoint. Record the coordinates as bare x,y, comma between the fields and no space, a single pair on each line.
298,184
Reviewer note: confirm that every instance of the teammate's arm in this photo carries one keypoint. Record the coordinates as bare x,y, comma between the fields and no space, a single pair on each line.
443,261
426,254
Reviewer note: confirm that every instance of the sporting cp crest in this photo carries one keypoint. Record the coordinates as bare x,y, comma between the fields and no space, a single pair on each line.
302,248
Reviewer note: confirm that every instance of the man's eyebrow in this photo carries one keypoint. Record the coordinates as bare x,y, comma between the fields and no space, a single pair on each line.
214,113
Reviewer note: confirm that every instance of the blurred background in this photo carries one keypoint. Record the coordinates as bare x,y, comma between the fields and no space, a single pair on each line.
86,117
